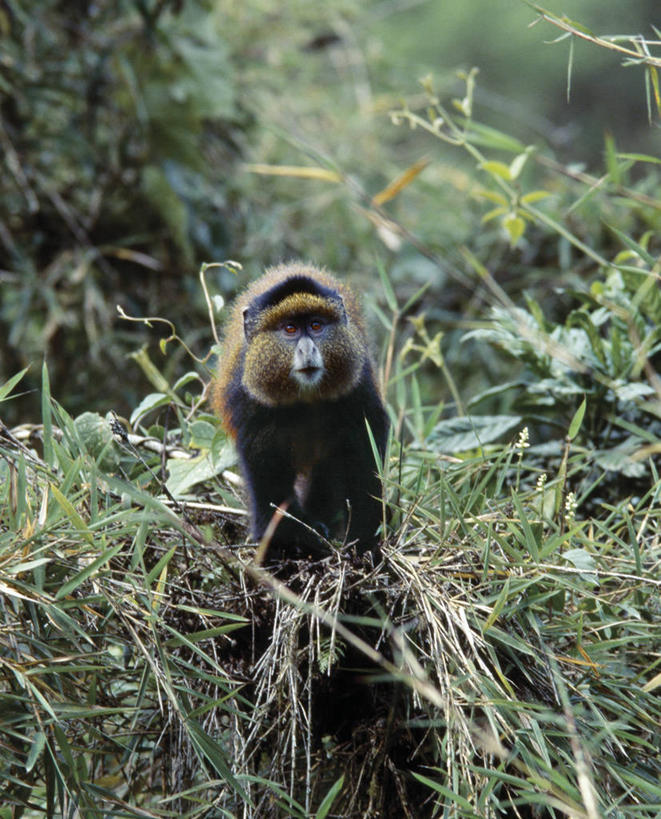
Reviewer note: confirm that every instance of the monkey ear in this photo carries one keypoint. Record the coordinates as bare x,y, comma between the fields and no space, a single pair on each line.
247,321
339,302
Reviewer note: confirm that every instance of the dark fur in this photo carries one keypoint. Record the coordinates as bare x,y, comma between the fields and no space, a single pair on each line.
313,454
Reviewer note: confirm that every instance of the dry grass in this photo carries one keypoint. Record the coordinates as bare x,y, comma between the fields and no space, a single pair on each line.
149,670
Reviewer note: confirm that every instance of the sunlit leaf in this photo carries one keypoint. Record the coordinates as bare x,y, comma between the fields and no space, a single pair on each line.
496,168
470,431
398,184
515,226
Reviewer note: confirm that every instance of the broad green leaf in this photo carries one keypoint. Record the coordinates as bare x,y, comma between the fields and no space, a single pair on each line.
202,434
583,561
97,438
186,472
619,459
470,431
148,403
186,378
580,318
631,391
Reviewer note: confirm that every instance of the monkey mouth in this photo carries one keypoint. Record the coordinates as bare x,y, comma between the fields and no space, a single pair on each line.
308,376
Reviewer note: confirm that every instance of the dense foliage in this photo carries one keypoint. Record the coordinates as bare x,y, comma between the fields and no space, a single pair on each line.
502,657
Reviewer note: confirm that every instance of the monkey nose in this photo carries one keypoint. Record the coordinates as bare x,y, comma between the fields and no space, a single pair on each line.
307,356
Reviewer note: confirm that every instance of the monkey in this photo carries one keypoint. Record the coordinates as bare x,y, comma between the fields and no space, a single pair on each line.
296,390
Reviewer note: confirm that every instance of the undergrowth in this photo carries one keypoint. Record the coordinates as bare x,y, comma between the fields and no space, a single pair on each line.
500,658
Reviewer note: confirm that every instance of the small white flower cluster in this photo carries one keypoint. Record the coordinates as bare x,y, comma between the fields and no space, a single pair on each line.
523,441
571,504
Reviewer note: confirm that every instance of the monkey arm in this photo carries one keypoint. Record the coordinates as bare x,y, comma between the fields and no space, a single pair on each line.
344,488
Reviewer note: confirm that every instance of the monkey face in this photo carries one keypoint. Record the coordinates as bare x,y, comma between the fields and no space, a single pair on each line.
301,357
306,333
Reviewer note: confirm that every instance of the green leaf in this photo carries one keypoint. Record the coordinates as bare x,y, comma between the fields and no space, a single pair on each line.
583,561
498,606
97,439
612,166
496,168
185,379
515,226
46,416
37,746
580,318
534,196
489,137
491,196
637,248
454,798
186,472
88,571
492,214
149,403
577,420
619,459
640,158
528,540
470,432
70,511
202,434
328,800
388,291
214,753
169,205
518,163
8,386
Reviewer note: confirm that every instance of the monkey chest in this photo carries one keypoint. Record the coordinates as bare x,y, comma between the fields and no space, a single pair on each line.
310,443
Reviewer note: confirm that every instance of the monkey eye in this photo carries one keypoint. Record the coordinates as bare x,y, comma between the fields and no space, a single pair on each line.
290,328
316,324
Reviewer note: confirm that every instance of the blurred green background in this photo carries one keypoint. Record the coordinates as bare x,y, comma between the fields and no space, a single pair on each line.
130,132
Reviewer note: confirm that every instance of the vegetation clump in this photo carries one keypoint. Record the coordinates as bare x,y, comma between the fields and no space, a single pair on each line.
501,655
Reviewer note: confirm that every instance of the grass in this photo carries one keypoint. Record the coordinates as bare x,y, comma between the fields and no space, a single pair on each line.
502,658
